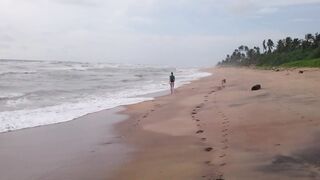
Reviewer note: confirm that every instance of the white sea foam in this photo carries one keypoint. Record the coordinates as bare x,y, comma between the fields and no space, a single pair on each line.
61,92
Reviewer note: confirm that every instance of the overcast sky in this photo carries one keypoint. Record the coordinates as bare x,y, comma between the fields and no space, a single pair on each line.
165,32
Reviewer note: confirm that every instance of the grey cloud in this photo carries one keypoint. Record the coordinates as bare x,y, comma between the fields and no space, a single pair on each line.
88,3
6,38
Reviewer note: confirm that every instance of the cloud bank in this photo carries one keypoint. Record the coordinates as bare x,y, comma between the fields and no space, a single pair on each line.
182,32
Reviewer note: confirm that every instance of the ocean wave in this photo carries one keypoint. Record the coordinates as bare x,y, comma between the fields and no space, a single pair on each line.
14,120
63,91
7,96
18,73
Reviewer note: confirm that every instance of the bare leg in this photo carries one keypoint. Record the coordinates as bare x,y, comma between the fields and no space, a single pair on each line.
172,87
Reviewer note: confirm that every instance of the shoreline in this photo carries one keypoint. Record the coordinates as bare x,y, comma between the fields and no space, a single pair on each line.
203,131
99,146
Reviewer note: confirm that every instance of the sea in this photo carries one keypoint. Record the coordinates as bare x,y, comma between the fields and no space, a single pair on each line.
36,93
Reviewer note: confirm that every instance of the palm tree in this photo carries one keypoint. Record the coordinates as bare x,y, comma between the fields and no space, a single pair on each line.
246,48
264,46
296,43
317,39
228,58
257,49
270,45
309,38
241,48
280,46
288,43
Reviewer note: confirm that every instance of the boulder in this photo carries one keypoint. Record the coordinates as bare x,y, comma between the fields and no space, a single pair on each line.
256,87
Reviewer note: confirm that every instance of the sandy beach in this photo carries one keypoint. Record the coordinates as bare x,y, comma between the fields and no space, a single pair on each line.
203,131
82,149
206,131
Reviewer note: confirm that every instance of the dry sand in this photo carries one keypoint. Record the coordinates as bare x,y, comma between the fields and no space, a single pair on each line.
205,131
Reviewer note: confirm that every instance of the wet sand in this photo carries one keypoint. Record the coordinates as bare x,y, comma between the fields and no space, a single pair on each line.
84,149
206,131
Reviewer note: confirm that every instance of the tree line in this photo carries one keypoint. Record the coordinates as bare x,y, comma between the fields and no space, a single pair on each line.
274,54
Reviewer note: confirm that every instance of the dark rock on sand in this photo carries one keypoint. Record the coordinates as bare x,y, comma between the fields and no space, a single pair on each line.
256,87
301,72
208,149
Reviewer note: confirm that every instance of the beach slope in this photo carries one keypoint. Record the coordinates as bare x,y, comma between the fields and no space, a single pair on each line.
207,131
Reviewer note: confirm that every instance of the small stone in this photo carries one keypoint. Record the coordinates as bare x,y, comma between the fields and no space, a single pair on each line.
256,87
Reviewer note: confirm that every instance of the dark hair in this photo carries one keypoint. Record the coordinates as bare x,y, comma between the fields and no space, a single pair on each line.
172,73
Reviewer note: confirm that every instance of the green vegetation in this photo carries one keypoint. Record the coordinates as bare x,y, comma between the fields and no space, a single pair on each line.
286,52
304,63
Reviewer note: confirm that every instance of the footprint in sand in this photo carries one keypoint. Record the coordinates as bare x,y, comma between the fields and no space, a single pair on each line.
223,155
220,177
198,120
224,141
225,147
199,131
208,149
224,130
223,164
203,139
107,143
224,135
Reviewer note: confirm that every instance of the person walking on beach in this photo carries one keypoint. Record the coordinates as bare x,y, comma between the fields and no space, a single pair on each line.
172,79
